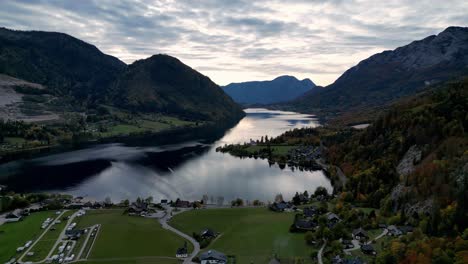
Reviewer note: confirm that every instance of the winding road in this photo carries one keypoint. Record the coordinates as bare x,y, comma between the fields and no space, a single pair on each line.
196,246
320,252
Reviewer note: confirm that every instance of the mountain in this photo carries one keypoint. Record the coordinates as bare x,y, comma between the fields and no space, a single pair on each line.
164,84
281,89
79,78
66,65
389,75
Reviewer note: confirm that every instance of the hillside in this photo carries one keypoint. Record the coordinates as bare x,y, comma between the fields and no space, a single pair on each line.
57,90
387,76
66,66
413,158
281,89
163,84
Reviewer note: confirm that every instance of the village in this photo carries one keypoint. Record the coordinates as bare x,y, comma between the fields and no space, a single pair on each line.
334,235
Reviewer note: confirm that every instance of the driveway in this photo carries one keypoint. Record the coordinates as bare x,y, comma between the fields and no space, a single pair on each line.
196,246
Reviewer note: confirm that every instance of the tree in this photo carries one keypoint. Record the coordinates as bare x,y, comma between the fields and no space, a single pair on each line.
279,198
321,191
296,199
309,238
108,201
149,199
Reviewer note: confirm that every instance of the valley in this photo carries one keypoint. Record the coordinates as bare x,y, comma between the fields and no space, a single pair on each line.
203,139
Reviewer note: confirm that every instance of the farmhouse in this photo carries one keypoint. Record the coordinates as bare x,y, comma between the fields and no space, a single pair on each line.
368,249
332,219
394,231
347,244
305,224
213,257
310,211
360,234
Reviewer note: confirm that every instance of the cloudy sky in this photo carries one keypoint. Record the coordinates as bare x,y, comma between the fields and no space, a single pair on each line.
241,40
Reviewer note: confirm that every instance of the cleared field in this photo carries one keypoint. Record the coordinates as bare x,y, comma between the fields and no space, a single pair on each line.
251,234
14,235
127,237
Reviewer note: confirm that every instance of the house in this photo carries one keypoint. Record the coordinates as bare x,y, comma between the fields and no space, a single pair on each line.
182,252
213,257
394,231
347,244
303,198
305,224
208,233
13,217
332,219
310,211
182,204
368,249
73,234
280,206
164,201
360,234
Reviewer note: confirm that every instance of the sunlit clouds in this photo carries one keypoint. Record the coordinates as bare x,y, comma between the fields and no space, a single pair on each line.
234,41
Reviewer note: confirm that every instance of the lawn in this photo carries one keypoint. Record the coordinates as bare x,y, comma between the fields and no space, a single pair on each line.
123,236
251,234
14,235
147,260
279,150
41,250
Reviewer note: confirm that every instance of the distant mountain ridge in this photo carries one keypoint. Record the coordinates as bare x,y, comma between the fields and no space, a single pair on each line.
84,78
281,89
387,76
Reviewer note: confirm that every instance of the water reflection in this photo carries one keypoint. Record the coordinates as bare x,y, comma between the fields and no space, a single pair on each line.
187,170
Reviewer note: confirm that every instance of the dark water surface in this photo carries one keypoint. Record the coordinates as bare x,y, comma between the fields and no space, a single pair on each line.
185,170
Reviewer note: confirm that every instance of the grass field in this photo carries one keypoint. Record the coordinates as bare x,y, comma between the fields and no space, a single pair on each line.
43,247
14,235
279,150
123,236
148,260
251,234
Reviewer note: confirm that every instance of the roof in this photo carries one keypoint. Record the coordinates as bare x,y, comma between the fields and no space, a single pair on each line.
309,211
304,224
213,255
367,247
360,231
208,232
331,216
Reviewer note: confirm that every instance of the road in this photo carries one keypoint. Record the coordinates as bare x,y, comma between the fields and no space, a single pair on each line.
196,245
320,252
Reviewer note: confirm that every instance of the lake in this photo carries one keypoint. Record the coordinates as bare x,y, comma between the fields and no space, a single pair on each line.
186,170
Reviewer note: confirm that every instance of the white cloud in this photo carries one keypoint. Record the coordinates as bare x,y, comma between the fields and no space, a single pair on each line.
233,41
